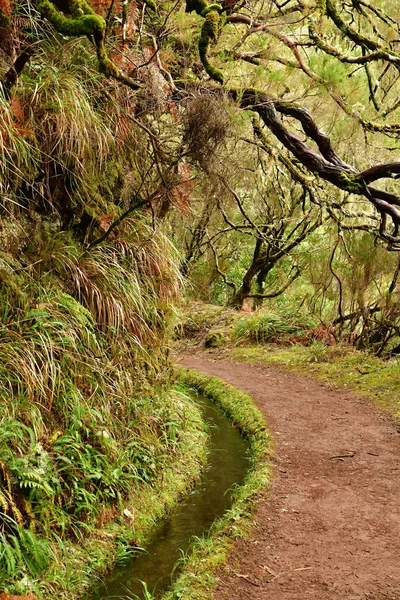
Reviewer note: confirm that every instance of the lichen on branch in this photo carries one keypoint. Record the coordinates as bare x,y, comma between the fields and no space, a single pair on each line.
83,20
209,33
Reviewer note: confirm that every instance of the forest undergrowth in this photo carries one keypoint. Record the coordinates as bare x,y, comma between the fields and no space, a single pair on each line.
93,422
95,445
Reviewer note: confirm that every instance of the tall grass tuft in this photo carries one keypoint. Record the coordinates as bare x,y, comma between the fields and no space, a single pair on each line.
263,327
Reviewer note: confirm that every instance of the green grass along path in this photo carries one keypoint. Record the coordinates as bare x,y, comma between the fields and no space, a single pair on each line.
330,526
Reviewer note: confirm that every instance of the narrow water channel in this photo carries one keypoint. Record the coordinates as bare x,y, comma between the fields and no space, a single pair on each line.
227,466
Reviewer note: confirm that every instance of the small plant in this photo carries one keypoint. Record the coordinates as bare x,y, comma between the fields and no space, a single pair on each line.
146,594
316,351
261,328
22,552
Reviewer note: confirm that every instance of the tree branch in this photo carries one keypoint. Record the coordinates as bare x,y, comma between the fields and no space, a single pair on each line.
329,167
11,76
279,292
132,207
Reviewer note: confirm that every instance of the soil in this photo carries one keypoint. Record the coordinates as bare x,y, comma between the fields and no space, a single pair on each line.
7,597
329,528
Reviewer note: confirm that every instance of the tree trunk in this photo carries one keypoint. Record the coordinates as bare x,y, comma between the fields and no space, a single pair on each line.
261,277
6,41
244,291
256,264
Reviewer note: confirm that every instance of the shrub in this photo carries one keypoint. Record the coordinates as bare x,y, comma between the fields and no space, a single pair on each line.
263,327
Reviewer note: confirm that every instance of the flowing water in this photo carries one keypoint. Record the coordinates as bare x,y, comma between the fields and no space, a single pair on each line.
228,463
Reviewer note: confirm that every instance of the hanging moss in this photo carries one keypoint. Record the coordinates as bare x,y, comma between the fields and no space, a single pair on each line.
209,32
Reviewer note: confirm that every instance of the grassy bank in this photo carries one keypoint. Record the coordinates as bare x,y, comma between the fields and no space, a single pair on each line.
93,445
117,541
69,564
198,576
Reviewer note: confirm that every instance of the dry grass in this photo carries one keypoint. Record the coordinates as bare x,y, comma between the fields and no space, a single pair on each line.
207,124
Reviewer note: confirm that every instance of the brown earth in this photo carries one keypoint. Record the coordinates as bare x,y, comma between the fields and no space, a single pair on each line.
330,527
28,597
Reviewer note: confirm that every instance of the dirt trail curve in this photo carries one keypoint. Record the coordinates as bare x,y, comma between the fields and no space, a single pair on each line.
330,528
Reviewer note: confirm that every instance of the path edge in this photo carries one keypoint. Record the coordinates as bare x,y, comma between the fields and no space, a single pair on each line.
198,577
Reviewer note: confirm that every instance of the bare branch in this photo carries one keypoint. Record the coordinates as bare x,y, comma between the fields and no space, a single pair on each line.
135,204
279,292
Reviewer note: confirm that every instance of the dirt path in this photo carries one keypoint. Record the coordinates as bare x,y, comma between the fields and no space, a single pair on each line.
330,528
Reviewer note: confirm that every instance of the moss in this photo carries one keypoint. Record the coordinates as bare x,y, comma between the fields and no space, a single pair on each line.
107,67
86,24
209,32
210,7
350,182
77,8
210,27
112,176
151,4
84,21
373,126
214,339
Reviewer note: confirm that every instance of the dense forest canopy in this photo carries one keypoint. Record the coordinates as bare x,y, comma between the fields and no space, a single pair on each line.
301,69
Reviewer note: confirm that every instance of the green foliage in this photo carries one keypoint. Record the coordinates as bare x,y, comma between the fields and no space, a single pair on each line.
262,327
328,68
214,339
147,595
85,418
317,351
22,552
